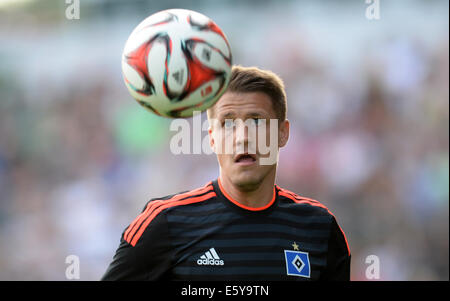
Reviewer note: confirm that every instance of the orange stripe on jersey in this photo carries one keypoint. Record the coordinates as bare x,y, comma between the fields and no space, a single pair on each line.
301,200
168,205
131,230
138,220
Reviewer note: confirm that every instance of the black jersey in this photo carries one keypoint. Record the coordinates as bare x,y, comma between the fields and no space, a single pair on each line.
204,234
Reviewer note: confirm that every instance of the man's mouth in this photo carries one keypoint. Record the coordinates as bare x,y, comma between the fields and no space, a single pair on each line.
245,159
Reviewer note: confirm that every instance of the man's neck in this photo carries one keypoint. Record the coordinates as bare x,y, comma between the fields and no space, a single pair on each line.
254,198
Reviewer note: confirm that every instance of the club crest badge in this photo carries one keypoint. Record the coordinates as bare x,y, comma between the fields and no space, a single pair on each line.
297,262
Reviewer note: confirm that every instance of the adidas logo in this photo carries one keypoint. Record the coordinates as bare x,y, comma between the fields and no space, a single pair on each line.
210,258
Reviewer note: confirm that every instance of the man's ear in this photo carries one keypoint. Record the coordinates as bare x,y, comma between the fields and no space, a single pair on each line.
283,133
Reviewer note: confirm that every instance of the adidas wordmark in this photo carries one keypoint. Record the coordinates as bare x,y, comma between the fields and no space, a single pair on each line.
210,258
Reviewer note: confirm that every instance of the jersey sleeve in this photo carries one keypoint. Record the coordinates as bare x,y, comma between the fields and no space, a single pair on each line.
339,256
147,257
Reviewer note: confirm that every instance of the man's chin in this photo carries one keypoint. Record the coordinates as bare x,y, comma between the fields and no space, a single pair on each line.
247,182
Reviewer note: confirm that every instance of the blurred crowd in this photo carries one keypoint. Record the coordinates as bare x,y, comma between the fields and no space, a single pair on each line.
369,136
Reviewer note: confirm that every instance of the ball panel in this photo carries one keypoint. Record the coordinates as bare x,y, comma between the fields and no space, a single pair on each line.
176,70
131,77
155,21
209,92
210,57
157,64
215,39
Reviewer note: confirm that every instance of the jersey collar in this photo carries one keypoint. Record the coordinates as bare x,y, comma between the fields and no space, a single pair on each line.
221,191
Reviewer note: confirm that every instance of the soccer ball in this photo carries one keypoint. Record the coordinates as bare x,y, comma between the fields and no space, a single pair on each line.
175,62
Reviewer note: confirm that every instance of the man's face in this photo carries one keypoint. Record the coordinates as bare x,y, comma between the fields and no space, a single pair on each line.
238,138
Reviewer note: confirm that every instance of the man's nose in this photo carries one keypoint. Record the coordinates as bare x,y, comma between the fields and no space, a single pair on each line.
245,139
241,133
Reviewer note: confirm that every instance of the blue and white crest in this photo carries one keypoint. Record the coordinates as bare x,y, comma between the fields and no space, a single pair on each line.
297,263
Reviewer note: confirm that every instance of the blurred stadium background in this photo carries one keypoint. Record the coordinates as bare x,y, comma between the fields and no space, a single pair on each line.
368,103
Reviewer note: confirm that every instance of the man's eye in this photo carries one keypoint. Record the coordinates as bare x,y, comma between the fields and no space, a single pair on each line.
257,121
228,123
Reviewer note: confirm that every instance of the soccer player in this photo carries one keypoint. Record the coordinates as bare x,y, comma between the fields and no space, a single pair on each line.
240,226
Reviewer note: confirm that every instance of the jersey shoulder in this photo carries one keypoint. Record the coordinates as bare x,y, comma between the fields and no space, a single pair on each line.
296,200
157,206
183,198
